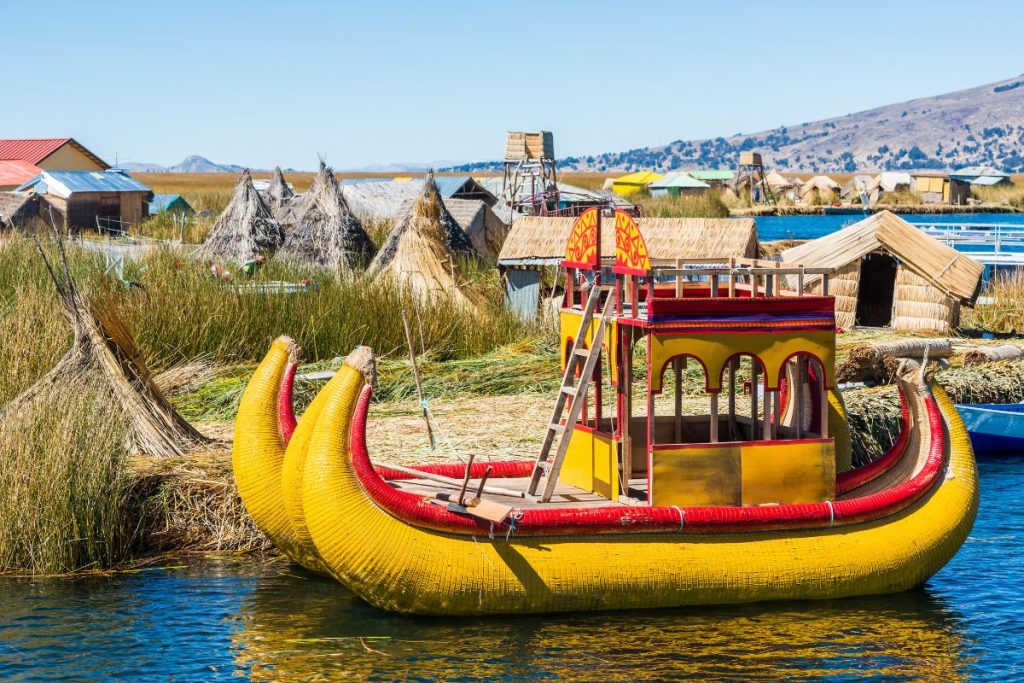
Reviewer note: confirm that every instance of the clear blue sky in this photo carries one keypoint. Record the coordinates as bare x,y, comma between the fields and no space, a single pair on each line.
264,83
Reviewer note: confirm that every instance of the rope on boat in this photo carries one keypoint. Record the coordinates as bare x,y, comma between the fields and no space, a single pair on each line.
681,517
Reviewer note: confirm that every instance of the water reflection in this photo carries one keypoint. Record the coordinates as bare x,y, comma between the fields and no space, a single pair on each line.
322,632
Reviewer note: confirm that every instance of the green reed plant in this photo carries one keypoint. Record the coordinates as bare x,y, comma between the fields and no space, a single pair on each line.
708,204
64,487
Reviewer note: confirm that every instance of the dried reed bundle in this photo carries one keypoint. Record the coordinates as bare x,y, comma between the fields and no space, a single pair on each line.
878,363
980,355
422,250
280,192
326,234
104,353
245,229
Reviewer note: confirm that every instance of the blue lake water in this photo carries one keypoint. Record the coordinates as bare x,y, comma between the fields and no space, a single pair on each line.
810,227
225,619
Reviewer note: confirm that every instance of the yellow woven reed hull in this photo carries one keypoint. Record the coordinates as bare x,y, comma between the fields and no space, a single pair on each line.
258,455
403,568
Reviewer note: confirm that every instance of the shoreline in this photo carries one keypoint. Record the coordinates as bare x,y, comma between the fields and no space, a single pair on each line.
937,209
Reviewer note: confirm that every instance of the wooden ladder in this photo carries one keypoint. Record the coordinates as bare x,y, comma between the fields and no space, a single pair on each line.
575,394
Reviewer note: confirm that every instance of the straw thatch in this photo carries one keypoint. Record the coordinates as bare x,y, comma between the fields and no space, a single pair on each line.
104,353
486,231
992,354
17,209
879,362
421,252
245,229
820,188
326,234
777,181
932,280
280,192
542,239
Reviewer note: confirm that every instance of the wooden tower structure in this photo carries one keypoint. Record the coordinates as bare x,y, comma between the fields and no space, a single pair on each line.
751,169
529,171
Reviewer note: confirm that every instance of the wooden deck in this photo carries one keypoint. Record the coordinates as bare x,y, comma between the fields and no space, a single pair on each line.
565,496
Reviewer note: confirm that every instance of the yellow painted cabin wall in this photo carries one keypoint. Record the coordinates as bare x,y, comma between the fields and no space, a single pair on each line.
735,473
591,463
68,158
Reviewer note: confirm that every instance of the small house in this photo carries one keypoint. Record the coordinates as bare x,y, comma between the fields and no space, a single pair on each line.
634,182
980,176
856,188
887,273
170,203
536,244
93,199
819,190
932,186
886,182
678,185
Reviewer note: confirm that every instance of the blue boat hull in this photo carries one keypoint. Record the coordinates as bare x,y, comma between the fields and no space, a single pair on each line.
994,428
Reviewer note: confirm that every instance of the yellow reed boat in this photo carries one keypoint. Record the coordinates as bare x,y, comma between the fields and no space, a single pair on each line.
622,508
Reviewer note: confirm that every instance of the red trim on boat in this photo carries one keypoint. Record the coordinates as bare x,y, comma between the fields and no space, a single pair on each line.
415,509
285,405
849,480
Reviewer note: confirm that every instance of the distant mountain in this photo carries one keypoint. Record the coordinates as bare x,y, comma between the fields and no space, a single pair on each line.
983,125
406,166
192,164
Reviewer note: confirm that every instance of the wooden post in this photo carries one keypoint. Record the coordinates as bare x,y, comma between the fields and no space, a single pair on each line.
679,278
766,422
626,391
416,379
801,381
824,285
714,283
677,367
800,282
732,277
825,406
714,417
753,398
753,285
732,399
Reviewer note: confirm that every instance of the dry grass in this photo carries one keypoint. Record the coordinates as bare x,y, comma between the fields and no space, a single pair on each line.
1005,313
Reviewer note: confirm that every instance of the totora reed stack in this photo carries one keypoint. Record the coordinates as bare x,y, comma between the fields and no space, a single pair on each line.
326,234
421,254
245,230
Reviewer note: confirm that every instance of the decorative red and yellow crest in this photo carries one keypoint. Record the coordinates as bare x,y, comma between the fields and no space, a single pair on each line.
631,256
581,249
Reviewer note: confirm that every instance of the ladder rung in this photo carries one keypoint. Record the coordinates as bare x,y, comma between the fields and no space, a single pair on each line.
582,352
570,390
557,427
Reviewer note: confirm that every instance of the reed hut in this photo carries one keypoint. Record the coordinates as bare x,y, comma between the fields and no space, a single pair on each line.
819,190
485,229
326,234
17,209
890,274
246,229
536,244
422,251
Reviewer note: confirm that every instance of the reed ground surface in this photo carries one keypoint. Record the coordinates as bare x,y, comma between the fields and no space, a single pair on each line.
489,379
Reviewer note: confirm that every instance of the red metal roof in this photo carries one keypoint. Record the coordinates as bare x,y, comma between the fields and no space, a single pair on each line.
16,172
35,150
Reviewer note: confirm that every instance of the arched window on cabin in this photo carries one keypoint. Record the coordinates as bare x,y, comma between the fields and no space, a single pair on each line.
748,413
804,398
682,409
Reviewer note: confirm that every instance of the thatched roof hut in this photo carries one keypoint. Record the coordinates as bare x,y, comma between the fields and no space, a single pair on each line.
485,229
537,242
421,252
279,192
778,182
17,209
326,234
820,189
890,274
245,229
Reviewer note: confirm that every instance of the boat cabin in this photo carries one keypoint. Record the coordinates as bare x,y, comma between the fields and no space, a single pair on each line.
644,432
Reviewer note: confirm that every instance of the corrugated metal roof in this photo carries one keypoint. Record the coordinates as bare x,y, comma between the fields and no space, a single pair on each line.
64,183
165,202
679,180
35,150
638,178
712,174
32,151
15,172
980,175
